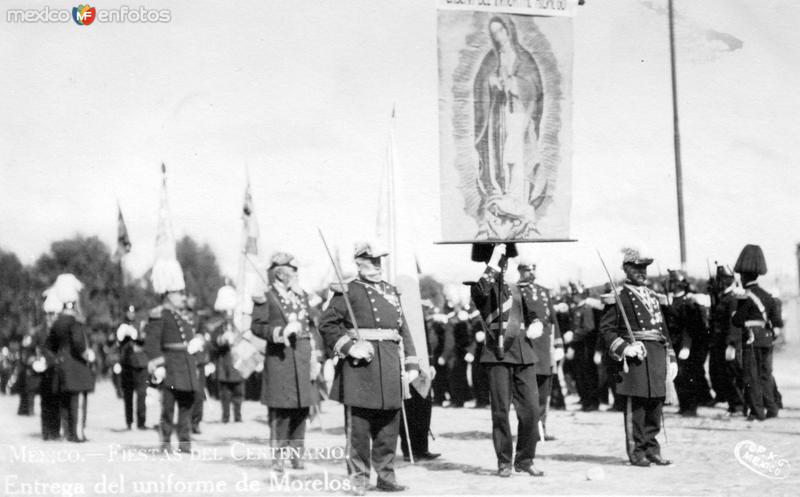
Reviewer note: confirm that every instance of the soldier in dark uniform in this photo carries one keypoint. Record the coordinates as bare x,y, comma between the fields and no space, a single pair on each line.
282,317
458,342
511,366
728,338
373,369
48,388
690,338
29,367
438,337
480,378
583,340
757,314
202,357
649,359
133,364
549,347
171,340
223,335
69,342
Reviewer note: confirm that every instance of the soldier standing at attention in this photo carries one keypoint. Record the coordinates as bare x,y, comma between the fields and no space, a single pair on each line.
373,365
133,361
281,316
171,339
509,357
549,347
648,361
758,315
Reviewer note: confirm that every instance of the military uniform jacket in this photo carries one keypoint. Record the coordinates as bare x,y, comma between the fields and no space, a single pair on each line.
68,341
221,353
131,352
287,368
758,312
537,299
723,312
378,383
690,327
504,309
648,377
167,334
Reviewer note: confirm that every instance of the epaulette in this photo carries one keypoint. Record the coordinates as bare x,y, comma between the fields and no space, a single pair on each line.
337,287
260,299
155,312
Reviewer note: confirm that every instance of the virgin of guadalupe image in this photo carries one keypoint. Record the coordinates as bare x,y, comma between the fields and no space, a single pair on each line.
508,99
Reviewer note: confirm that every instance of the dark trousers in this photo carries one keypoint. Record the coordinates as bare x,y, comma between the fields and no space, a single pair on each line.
758,382
287,428
459,386
184,401
72,411
373,442
514,383
231,393
441,384
735,372
480,381
718,373
199,400
134,381
49,408
642,424
544,386
587,380
691,384
418,411
26,403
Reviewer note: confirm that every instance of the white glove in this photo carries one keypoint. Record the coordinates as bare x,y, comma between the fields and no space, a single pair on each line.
498,251
568,336
730,353
684,353
597,358
535,330
293,328
88,355
777,332
570,354
195,345
469,357
636,349
126,330
750,337
159,374
362,350
480,336
412,375
117,369
316,368
39,365
209,368
228,337
558,354
672,371
432,373
440,361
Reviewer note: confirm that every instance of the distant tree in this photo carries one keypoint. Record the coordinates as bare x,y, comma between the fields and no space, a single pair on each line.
200,270
15,296
89,259
430,288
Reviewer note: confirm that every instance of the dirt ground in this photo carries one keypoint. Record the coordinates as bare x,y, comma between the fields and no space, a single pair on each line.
232,459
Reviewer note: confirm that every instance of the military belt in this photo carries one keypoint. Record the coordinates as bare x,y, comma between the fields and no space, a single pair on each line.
174,346
755,323
378,334
649,336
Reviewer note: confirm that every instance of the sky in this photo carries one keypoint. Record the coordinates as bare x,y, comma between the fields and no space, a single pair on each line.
298,96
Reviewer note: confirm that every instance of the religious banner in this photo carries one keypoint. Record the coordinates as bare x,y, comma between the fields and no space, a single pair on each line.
505,124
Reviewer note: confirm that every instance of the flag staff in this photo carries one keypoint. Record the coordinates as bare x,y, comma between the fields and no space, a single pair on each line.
676,137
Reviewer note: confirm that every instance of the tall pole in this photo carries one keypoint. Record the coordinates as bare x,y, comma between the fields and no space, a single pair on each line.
677,137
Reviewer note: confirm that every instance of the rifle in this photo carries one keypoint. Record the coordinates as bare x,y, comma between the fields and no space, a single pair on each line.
621,310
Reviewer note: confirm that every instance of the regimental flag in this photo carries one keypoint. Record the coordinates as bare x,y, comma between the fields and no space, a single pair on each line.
123,241
251,280
395,231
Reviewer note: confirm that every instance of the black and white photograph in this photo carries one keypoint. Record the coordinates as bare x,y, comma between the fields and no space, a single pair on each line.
430,247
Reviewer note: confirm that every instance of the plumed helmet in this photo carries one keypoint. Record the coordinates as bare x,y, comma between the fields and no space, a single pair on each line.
283,259
751,260
167,276
51,303
226,299
369,250
66,288
636,255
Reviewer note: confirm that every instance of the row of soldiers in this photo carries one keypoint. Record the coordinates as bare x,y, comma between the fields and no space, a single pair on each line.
518,346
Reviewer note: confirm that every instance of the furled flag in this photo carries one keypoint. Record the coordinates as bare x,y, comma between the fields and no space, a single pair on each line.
251,280
123,241
167,275
394,231
250,223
